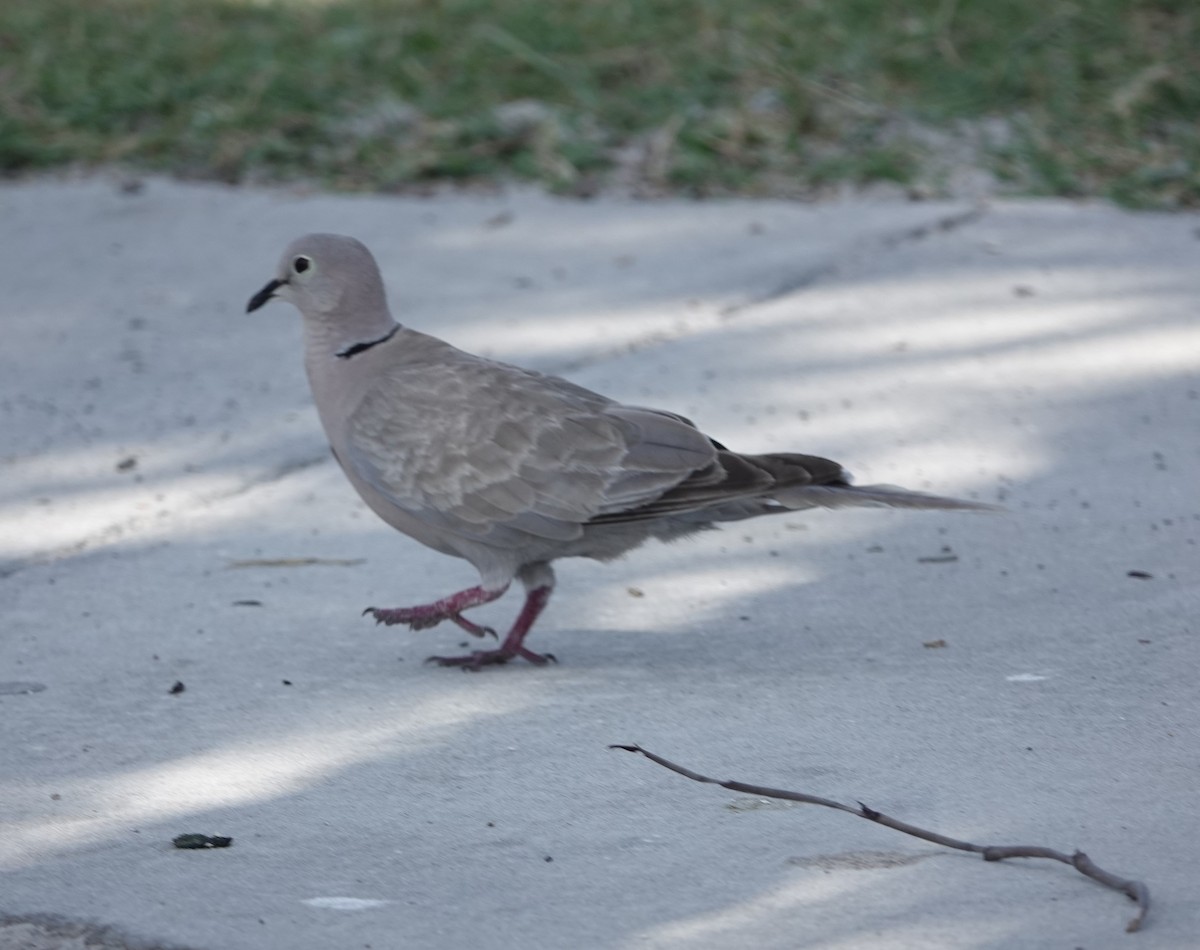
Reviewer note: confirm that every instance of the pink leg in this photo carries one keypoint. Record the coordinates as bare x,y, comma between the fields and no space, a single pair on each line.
448,608
535,602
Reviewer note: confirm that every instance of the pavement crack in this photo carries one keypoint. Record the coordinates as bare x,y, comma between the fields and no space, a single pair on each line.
656,338
127,528
271,475
950,222
883,242
812,275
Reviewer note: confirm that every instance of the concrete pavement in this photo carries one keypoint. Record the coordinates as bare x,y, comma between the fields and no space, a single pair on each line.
169,514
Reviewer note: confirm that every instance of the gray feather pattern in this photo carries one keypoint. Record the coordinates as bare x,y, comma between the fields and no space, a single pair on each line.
512,468
545,458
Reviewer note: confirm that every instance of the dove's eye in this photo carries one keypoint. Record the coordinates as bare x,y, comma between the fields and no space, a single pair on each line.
301,264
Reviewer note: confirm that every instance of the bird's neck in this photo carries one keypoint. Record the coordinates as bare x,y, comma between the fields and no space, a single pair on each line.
344,339
335,363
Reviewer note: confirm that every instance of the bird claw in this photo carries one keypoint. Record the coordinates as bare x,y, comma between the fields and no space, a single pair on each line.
477,660
471,662
414,617
421,618
450,608
474,629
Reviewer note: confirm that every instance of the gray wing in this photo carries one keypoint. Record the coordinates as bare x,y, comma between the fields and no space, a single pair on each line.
492,452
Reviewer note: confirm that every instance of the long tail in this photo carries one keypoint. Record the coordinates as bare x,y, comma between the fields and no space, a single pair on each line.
809,481
746,486
871,496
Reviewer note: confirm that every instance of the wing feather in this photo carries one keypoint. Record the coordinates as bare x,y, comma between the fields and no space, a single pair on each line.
493,452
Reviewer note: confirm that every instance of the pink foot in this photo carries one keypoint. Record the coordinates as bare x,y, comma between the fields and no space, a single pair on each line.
535,602
448,608
480,658
474,629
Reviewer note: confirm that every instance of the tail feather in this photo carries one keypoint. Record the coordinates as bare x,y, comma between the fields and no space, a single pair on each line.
737,486
871,496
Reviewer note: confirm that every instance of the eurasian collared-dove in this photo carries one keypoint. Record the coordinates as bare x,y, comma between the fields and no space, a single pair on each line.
509,468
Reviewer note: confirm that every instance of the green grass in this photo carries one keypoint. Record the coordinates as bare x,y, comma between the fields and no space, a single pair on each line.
779,97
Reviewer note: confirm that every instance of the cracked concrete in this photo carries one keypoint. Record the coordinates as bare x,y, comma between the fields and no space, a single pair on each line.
133,526
951,220
168,513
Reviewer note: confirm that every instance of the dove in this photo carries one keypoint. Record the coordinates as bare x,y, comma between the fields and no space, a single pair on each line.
513,469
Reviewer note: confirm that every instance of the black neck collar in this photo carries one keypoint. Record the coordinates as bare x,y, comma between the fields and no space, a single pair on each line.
356,348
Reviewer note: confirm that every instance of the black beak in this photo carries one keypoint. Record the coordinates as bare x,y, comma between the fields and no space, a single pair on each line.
263,295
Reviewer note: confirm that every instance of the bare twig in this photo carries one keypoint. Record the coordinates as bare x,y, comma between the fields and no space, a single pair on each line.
1134,890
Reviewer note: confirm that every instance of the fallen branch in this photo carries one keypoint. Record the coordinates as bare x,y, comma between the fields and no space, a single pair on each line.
1134,890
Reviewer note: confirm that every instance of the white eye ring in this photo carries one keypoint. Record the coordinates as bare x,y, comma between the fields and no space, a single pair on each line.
301,264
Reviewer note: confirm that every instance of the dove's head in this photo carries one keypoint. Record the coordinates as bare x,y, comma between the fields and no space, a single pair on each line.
331,279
